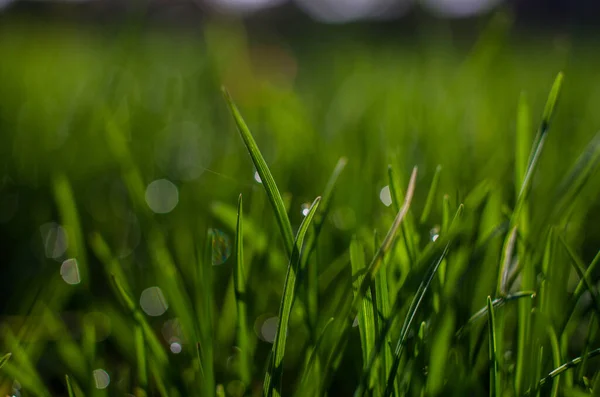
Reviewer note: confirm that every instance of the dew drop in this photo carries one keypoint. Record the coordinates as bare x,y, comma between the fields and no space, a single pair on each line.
153,302
69,271
101,378
385,196
162,196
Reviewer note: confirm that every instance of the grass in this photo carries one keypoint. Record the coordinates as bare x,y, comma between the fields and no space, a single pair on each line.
282,294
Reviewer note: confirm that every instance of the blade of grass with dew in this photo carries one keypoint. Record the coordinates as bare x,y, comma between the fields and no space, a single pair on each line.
312,287
30,382
140,352
265,175
117,277
495,385
366,319
239,276
63,193
155,345
431,195
272,383
348,318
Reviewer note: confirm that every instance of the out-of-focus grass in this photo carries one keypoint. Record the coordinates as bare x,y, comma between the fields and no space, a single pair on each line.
90,118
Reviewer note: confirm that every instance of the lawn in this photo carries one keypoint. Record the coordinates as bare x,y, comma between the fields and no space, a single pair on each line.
417,211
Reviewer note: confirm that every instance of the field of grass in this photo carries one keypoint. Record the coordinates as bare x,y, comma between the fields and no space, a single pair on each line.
418,214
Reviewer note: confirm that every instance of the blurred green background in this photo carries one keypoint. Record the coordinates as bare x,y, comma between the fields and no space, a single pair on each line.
88,103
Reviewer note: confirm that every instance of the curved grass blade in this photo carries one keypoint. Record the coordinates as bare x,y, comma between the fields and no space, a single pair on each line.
505,261
408,228
496,303
372,269
4,359
494,373
272,383
239,279
566,366
412,311
265,175
431,195
69,386
584,277
538,145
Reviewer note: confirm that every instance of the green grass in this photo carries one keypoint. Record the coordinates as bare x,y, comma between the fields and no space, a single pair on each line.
435,194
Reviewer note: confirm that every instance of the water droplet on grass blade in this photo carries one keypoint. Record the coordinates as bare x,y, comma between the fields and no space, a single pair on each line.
385,196
175,348
305,208
162,196
69,271
257,177
221,247
153,302
101,378
55,239
268,330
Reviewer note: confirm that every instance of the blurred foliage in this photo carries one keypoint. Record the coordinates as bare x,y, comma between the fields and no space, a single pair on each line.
90,116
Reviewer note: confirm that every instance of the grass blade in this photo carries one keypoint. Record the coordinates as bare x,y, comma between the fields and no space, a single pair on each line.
314,353
538,145
239,276
366,319
372,269
272,382
431,195
494,373
4,359
496,303
69,386
140,351
564,367
265,175
412,311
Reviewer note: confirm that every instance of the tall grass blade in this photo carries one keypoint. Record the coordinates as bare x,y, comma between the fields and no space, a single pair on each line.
70,391
372,269
140,350
239,276
315,354
272,384
265,175
413,309
366,318
494,372
431,195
